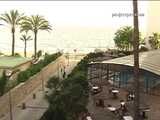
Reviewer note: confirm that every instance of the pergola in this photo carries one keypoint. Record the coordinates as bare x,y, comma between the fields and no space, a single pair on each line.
119,71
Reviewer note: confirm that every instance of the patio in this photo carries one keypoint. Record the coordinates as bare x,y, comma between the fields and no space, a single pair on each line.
118,73
106,113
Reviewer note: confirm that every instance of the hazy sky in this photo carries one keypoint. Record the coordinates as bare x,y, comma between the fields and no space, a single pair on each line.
154,17
76,24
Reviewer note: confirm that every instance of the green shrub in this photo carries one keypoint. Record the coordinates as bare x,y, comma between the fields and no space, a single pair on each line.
17,55
73,94
39,53
35,68
3,82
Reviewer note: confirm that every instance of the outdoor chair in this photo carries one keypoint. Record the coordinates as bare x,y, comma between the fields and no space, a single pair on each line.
100,103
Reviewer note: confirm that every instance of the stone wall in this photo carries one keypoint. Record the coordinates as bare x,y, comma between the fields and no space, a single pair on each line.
23,66
21,91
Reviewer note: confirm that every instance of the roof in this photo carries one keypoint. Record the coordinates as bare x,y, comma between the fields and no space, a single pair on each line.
149,61
11,62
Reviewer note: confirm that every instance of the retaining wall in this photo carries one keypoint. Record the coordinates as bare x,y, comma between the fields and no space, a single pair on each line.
21,91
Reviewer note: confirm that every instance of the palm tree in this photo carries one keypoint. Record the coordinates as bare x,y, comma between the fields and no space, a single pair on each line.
34,24
123,37
13,18
136,60
25,38
154,40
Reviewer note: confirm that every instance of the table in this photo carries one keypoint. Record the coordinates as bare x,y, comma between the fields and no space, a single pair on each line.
112,109
88,118
144,110
115,92
147,110
127,118
122,103
95,87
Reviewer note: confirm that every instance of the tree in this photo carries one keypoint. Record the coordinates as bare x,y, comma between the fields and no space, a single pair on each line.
34,24
39,53
25,38
54,83
71,94
17,55
3,82
154,41
123,38
136,60
13,18
71,99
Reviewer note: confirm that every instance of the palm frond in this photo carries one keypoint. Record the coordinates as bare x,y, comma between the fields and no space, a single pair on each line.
6,18
25,37
13,17
35,23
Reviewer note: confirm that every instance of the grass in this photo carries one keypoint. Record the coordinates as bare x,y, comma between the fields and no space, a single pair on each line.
11,62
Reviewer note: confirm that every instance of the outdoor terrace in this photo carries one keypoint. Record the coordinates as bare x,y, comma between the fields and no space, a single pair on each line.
102,113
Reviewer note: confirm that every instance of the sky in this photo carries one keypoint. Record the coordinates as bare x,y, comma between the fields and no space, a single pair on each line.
81,25
154,17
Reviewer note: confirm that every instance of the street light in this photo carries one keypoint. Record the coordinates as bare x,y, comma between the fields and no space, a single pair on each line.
8,74
75,50
60,70
67,56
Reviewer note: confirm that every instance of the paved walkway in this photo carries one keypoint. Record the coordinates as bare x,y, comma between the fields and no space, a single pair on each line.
146,100
100,113
36,107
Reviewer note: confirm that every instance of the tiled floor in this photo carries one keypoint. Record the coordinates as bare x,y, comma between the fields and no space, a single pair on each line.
103,114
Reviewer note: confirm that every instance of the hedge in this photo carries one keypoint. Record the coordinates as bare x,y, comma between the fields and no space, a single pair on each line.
35,68
72,98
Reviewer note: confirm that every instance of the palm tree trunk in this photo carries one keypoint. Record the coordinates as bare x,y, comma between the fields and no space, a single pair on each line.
13,40
35,44
25,46
136,60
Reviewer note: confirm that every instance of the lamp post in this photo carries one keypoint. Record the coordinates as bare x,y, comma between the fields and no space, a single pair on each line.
58,70
8,74
67,56
75,50
68,59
